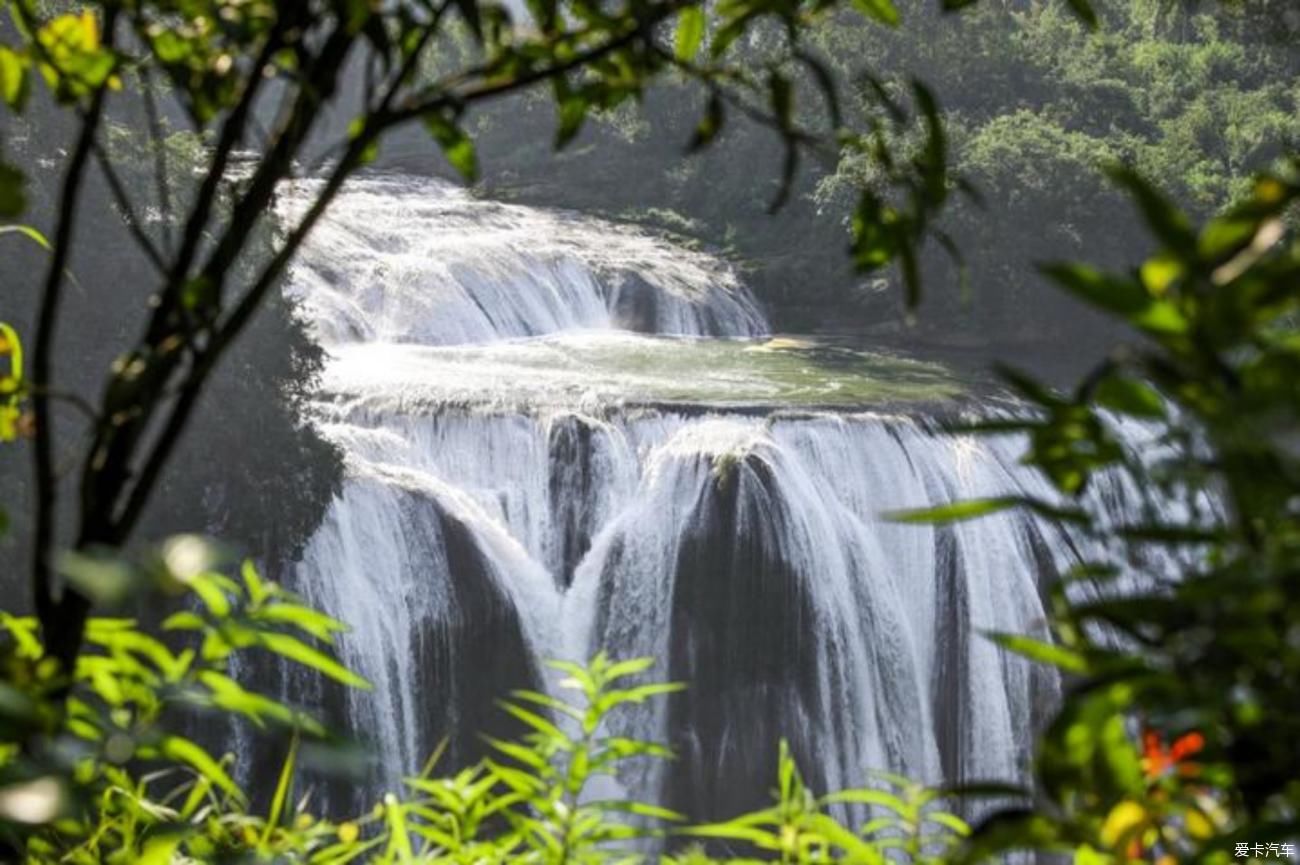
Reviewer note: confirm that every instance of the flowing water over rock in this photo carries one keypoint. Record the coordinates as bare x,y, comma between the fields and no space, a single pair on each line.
565,435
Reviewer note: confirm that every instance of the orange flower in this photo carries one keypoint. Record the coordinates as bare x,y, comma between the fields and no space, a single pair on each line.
1158,760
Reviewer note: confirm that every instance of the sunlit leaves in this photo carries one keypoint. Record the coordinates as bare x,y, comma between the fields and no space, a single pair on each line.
11,382
690,33
799,827
71,56
15,83
208,64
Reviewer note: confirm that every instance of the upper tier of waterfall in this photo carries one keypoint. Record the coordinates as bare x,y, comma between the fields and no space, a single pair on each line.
417,260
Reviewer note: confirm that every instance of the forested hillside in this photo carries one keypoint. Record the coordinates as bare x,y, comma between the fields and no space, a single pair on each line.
1035,104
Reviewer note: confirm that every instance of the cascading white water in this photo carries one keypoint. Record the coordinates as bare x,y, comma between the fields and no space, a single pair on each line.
712,502
413,260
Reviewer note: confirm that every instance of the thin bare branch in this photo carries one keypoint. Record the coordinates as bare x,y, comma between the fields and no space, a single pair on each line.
159,144
129,215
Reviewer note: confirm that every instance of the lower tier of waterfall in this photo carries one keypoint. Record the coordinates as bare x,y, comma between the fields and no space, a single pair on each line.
747,552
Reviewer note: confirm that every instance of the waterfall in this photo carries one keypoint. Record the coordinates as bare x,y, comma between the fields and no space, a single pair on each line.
411,260
561,435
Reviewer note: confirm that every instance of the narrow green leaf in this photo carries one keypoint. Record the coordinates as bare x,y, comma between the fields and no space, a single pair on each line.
949,821
868,797
883,11
710,124
1165,219
182,749
13,201
1044,653
282,789
537,722
1129,396
954,512
455,144
690,33
1124,297
298,651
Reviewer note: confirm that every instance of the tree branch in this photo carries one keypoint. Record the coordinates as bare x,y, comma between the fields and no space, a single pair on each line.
161,179
60,642
129,216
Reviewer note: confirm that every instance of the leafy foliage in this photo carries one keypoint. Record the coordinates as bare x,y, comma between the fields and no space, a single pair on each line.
802,827
98,763
11,383
100,769
1175,740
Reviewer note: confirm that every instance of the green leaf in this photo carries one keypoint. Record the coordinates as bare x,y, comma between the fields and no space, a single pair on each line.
1083,10
305,619
955,512
24,230
690,33
1169,224
13,200
298,651
1123,297
883,11
210,592
524,755
185,620
876,235
735,832
182,749
641,809
630,667
866,796
573,113
14,80
1128,396
1044,653
537,722
1226,236
282,789
455,144
710,124
257,591
160,850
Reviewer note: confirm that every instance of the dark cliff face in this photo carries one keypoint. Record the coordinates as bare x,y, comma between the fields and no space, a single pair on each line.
742,623
472,656
744,637
572,487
